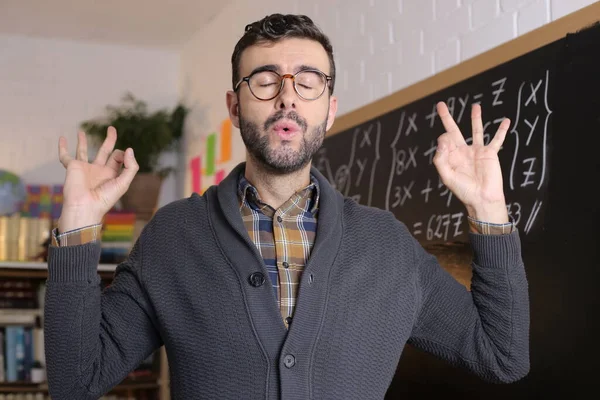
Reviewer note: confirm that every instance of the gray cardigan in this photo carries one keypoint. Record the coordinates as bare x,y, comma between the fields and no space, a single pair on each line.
193,282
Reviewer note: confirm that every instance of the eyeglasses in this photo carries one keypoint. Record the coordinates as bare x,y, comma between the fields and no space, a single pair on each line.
310,84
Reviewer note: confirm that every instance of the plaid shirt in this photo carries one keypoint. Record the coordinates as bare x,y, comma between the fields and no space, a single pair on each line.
284,237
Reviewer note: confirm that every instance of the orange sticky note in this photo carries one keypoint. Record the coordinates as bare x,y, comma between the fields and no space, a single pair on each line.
225,141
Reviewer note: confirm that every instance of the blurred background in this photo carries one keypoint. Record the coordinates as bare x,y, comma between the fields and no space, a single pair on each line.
62,63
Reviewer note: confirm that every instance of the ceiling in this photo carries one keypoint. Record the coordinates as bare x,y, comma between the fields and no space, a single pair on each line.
163,24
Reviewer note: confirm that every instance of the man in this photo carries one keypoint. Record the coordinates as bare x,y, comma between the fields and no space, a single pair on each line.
272,285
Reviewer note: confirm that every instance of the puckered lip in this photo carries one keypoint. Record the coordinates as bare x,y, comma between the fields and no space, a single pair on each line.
286,126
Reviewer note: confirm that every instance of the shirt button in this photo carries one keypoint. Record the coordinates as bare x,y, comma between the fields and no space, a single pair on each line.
256,279
288,320
289,361
279,219
285,264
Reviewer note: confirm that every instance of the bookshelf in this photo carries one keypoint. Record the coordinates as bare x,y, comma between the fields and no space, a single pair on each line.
38,265
149,385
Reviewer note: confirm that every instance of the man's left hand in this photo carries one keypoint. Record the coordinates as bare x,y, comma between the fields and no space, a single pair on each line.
472,172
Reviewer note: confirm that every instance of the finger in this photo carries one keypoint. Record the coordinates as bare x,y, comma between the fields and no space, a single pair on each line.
498,140
82,153
440,159
448,122
131,168
107,146
477,125
116,160
63,152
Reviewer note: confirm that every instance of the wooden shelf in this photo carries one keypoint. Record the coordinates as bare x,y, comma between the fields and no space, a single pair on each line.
20,316
39,270
22,387
150,382
25,265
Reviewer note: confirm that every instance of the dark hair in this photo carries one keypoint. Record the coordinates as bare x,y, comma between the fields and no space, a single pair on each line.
275,27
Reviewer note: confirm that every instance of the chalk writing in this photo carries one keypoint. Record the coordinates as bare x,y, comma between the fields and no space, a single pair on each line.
387,162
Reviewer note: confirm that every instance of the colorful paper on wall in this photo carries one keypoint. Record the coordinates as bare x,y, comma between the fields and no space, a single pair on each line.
219,176
196,175
225,141
216,151
211,142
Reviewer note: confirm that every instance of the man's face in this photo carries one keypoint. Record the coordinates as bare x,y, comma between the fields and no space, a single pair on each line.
284,133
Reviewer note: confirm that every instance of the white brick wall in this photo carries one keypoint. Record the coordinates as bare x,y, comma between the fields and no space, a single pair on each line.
380,46
560,8
532,16
47,87
498,30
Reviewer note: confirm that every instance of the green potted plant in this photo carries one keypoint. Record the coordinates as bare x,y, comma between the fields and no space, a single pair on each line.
150,134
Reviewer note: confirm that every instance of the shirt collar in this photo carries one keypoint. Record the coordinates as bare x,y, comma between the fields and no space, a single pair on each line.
247,192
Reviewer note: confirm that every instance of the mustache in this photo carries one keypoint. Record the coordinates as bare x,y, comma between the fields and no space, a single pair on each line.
292,115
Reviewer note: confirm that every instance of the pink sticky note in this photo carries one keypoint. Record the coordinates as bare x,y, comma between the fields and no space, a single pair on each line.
195,174
219,176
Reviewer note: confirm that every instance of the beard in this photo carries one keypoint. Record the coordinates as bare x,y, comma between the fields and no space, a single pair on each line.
282,160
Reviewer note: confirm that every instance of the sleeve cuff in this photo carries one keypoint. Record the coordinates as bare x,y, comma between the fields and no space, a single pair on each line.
87,234
496,251
488,228
74,263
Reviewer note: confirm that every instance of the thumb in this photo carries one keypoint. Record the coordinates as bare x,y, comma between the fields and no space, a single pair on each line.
131,167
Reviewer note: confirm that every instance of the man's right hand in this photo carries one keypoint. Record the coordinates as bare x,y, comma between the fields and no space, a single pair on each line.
92,189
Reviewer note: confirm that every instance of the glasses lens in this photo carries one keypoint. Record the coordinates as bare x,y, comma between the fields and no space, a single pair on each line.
310,84
265,85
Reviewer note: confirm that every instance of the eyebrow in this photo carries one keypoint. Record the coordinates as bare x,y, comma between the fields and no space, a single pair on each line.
305,67
268,67
276,68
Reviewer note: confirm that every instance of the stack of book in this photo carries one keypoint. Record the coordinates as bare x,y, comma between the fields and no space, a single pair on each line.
117,236
9,237
23,234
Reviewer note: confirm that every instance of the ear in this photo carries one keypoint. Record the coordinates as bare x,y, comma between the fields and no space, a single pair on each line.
332,112
233,106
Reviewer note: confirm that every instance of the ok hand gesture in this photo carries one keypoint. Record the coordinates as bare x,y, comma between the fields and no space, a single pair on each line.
92,189
472,172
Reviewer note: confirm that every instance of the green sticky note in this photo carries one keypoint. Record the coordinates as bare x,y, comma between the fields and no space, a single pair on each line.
211,144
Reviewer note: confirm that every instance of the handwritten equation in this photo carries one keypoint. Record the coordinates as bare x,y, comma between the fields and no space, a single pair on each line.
388,162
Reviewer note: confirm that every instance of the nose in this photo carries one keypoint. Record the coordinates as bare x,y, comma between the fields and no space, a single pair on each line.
287,97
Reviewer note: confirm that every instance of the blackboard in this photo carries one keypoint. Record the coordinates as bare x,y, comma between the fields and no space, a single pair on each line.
547,83
387,162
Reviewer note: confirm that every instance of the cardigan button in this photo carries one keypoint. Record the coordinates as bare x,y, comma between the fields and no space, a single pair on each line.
256,279
289,361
